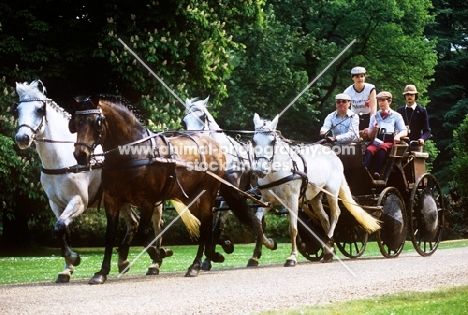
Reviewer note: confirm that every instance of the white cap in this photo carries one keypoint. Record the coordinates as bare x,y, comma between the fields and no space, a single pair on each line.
358,70
343,96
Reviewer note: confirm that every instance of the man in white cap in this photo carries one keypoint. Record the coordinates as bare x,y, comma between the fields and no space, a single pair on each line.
341,126
363,101
415,117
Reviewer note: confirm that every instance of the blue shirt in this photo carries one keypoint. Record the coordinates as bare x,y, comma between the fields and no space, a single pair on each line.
393,123
344,129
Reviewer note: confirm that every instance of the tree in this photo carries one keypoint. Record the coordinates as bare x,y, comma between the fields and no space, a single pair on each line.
448,90
299,39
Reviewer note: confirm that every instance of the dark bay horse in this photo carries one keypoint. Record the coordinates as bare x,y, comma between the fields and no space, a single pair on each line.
143,168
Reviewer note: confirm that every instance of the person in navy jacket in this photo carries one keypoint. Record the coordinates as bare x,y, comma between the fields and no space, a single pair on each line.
415,117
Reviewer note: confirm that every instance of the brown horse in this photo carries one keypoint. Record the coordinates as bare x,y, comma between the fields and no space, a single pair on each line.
143,168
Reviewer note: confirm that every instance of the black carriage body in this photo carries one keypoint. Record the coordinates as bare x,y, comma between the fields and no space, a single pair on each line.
407,200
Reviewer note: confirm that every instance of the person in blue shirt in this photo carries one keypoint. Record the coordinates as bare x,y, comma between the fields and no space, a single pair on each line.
341,126
416,118
386,127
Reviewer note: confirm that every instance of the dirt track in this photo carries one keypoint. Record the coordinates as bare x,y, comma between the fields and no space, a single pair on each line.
241,291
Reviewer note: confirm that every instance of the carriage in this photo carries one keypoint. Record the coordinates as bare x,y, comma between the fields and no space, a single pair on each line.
407,200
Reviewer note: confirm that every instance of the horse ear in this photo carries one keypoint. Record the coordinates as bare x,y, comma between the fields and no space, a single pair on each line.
205,102
95,100
274,122
71,125
257,121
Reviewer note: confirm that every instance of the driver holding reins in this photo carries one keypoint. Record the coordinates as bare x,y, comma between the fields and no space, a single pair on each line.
341,126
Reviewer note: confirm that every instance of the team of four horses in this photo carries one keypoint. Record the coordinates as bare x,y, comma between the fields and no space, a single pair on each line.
190,167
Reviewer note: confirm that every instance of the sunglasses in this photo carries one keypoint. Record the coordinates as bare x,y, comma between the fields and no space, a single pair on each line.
341,101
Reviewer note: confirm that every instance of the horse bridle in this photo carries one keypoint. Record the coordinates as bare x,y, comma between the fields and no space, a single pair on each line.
275,140
15,113
98,124
205,120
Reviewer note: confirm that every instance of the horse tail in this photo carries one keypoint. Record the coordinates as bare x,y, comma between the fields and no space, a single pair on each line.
368,222
191,222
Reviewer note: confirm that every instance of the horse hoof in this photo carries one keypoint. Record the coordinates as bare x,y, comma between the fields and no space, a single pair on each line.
290,263
63,278
275,246
227,246
327,258
206,265
77,261
252,262
123,266
97,279
192,273
166,252
152,272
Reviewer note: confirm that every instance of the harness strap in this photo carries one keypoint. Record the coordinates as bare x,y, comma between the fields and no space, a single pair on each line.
71,169
281,181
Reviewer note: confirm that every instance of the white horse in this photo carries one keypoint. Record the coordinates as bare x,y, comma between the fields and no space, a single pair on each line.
70,193
237,173
285,174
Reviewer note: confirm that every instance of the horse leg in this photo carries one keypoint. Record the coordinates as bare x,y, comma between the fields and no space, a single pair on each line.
132,220
72,259
267,242
227,245
205,240
112,214
293,207
158,253
329,249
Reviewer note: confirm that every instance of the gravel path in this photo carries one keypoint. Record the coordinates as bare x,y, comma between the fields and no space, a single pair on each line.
241,291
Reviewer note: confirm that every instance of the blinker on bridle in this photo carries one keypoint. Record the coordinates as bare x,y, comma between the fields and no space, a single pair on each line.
98,122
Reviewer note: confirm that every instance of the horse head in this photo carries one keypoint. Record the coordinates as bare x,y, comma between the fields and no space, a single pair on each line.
197,118
264,145
30,112
88,122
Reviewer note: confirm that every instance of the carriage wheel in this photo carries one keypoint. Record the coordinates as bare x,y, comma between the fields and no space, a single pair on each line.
350,238
391,237
426,215
307,243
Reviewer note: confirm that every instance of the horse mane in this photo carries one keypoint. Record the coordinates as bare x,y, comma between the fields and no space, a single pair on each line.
33,89
119,100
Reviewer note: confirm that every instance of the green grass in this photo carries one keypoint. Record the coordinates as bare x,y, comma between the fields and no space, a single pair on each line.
43,264
445,301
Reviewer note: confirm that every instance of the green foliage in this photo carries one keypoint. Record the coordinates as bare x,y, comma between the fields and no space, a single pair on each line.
190,48
460,160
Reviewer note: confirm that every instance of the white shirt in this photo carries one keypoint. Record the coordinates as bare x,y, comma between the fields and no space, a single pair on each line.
344,129
359,99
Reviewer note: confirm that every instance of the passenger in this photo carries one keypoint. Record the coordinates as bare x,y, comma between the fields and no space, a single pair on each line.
341,126
386,127
416,119
363,102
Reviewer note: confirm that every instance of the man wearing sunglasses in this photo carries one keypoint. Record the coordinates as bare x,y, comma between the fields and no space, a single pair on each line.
341,126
